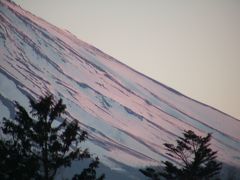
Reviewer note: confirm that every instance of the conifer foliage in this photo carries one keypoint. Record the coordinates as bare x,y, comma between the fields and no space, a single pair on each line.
36,145
197,159
90,172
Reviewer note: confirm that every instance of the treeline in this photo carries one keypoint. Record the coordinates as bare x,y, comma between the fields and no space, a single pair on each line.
35,144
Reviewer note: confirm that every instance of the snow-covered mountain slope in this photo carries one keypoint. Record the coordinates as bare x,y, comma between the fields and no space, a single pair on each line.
128,115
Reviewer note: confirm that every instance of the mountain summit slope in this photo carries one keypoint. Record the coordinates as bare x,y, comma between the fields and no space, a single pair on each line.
128,115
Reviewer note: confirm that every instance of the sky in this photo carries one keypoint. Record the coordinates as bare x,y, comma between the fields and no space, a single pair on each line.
192,46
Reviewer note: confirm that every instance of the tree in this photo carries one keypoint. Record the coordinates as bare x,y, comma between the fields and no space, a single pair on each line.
13,162
38,147
90,172
197,159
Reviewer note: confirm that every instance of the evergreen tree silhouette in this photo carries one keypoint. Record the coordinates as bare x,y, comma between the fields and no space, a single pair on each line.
36,148
15,163
90,172
197,159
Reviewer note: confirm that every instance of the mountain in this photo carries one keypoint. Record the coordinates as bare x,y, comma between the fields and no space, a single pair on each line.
127,114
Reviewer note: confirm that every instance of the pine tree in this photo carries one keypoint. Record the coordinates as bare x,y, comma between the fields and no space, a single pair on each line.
197,159
90,172
38,147
14,161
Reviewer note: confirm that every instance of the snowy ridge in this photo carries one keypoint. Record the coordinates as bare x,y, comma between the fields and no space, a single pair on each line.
129,116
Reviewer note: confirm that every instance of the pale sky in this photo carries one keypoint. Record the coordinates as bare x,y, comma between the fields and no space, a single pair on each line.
192,46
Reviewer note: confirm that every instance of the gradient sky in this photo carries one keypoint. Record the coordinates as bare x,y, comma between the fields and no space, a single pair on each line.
192,46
